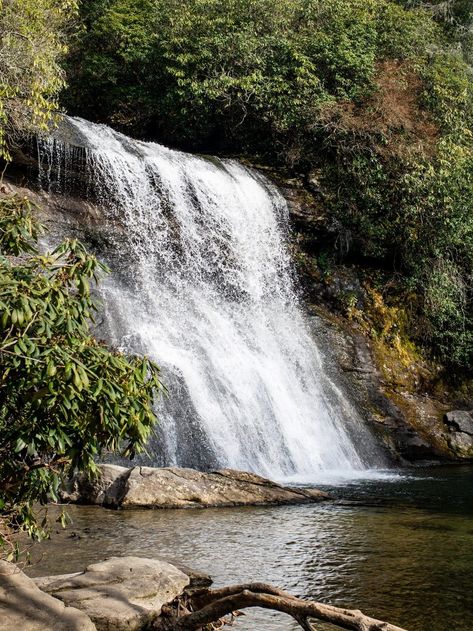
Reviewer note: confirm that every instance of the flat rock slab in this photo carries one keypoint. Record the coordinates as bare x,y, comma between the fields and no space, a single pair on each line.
175,487
24,607
120,594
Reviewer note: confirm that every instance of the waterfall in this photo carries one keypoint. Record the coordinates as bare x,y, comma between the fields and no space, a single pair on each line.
202,282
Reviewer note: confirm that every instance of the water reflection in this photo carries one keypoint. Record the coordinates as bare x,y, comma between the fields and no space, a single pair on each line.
409,559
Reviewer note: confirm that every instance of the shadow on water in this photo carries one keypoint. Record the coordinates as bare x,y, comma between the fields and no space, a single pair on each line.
400,549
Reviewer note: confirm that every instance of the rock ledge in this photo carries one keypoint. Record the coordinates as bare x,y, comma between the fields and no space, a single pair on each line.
175,487
23,606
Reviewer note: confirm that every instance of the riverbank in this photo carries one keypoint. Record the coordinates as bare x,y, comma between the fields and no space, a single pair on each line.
141,594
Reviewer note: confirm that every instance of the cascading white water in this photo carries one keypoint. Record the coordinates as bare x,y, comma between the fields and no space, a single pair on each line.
202,283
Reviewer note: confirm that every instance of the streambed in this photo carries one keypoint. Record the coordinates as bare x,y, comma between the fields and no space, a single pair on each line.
399,547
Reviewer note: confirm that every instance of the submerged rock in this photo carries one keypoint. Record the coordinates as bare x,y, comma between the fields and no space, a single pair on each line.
121,593
24,607
175,487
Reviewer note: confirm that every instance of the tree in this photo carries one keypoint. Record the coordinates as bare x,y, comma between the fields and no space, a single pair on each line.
33,44
64,396
456,16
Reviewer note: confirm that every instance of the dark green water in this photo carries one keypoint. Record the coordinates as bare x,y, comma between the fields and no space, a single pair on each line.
400,549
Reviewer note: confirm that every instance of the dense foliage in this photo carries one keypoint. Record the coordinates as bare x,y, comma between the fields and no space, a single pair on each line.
33,37
237,74
373,97
64,396
401,188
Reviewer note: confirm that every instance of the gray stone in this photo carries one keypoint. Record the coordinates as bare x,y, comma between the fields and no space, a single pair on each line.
107,489
460,427
24,607
459,421
197,578
44,582
122,593
175,487
461,444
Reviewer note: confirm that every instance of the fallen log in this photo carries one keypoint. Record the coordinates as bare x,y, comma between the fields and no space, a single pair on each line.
201,609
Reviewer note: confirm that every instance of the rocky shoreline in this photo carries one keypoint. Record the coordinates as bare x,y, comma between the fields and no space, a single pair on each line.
128,593
176,487
133,593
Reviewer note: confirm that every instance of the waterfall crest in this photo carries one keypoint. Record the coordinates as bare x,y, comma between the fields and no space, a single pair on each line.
202,282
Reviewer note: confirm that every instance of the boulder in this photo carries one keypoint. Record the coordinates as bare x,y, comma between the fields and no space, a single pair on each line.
459,421
107,489
175,487
197,578
121,593
460,437
23,606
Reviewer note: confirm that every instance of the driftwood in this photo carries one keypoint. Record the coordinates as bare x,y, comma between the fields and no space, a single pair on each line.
203,608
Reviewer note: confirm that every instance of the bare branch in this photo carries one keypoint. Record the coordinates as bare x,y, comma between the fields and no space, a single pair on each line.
204,607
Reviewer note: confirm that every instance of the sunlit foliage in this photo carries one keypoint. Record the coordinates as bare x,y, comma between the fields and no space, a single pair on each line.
33,44
65,397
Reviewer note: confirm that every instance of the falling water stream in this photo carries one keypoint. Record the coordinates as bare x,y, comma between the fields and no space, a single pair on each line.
202,282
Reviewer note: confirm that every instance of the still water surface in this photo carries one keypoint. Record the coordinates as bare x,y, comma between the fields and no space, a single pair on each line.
399,548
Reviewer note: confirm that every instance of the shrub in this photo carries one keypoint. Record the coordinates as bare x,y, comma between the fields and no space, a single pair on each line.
64,396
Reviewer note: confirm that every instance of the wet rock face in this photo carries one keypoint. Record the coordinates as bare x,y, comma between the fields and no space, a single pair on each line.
460,437
348,359
409,425
121,593
175,487
405,417
24,607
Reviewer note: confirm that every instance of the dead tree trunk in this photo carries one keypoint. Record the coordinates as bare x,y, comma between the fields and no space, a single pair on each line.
199,609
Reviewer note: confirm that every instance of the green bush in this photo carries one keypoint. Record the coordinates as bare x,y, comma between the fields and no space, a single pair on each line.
412,209
237,74
64,396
